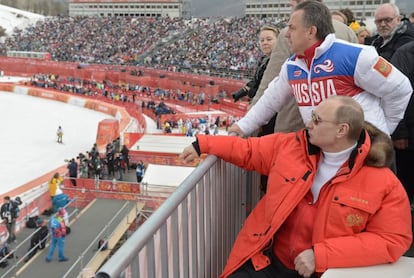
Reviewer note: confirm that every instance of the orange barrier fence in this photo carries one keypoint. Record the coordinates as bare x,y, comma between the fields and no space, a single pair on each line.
86,190
101,107
156,158
108,131
131,138
120,74
48,95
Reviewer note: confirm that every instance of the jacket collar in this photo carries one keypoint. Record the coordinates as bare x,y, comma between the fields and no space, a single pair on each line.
358,154
309,53
318,48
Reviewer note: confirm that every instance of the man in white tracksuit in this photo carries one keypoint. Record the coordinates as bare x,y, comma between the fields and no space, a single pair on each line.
323,66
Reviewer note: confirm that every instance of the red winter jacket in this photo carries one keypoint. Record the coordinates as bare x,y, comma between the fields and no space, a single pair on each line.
364,214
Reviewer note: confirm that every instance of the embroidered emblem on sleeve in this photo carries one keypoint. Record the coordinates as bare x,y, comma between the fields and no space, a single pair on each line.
383,67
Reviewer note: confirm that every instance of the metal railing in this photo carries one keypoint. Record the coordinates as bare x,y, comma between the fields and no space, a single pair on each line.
192,232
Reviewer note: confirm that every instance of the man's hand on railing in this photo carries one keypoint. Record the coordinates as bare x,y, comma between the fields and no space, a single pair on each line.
235,130
189,154
305,263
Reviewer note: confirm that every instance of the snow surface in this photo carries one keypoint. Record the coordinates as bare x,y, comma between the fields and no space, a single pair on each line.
28,124
28,136
11,18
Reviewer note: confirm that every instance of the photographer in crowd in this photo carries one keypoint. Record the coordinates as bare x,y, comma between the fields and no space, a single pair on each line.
9,212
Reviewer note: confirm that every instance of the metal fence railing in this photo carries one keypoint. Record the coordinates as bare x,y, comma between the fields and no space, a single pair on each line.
192,232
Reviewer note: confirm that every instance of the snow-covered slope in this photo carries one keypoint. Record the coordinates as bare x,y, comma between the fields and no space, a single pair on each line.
11,18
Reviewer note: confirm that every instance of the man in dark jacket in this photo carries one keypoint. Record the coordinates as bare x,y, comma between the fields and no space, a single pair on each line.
125,155
392,32
73,171
38,240
403,136
9,213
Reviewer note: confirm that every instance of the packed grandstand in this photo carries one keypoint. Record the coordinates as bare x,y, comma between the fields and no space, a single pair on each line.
225,47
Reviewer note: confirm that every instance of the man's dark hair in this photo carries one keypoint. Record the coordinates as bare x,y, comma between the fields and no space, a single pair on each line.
318,15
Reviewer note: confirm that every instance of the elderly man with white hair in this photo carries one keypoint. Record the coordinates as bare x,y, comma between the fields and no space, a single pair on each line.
391,31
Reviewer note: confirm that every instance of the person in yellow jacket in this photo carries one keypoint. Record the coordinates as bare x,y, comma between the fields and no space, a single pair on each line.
54,182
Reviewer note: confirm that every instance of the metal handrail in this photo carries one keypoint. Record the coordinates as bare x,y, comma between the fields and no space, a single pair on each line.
120,260
191,233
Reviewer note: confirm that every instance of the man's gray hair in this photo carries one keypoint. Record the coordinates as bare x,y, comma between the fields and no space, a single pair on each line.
393,6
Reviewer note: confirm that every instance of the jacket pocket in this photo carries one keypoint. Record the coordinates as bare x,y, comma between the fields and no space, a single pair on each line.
350,209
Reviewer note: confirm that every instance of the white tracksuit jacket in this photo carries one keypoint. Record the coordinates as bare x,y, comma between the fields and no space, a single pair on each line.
338,68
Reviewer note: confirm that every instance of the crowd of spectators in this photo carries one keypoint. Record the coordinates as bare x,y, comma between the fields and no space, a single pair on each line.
102,40
198,45
226,44
124,92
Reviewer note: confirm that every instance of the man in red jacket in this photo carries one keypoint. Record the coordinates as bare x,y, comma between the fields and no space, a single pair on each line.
331,200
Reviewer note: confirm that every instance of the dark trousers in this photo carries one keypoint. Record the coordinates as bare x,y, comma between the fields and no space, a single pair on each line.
10,228
73,180
275,270
32,250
